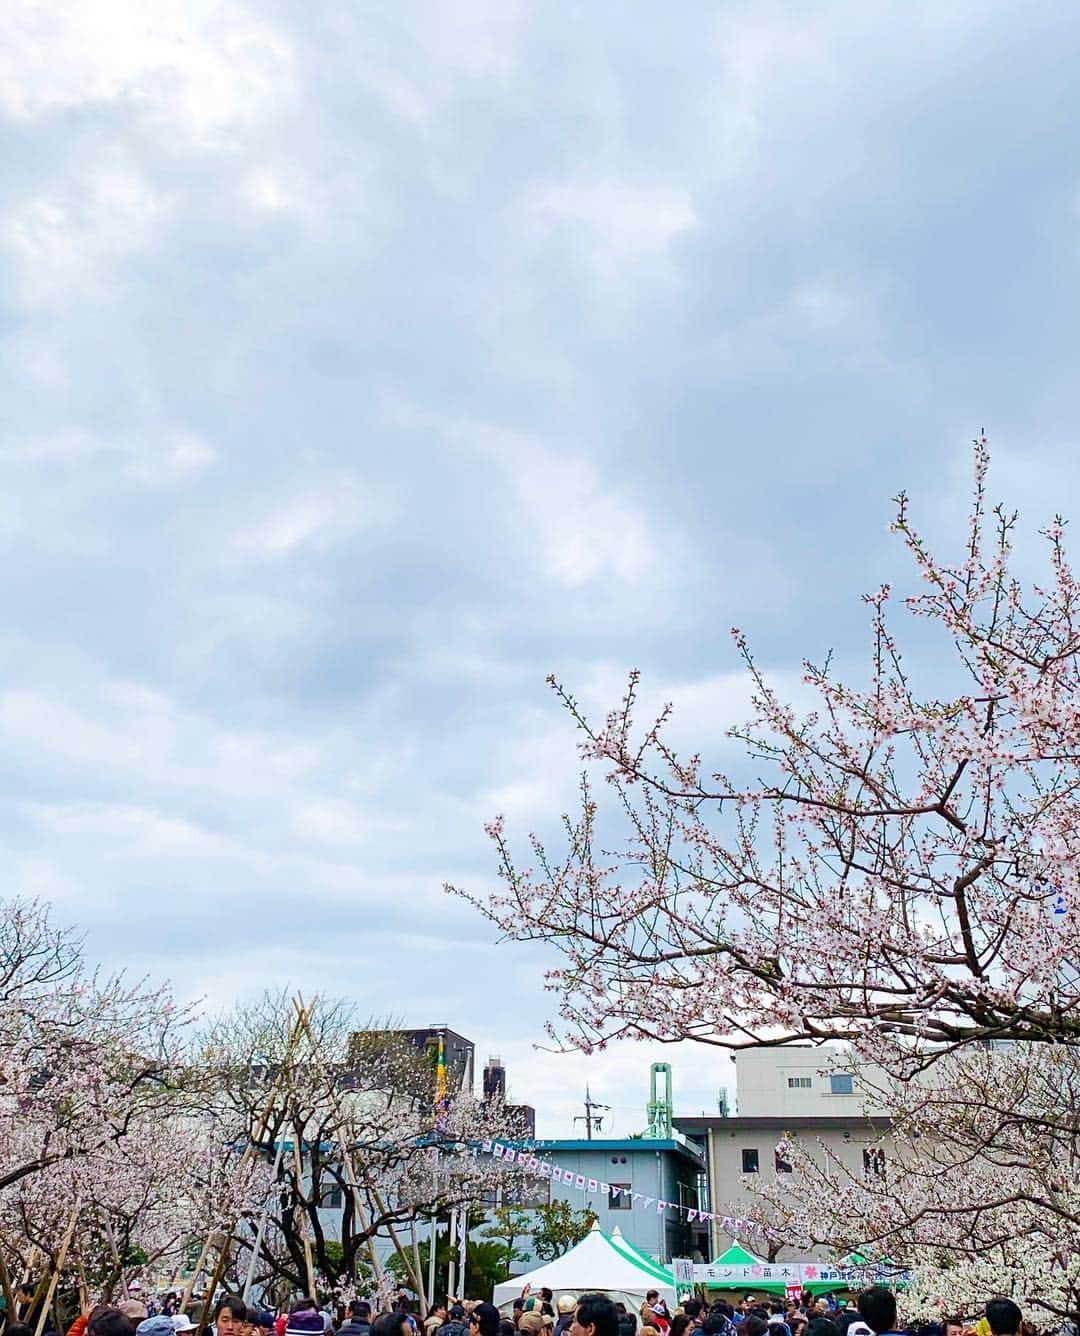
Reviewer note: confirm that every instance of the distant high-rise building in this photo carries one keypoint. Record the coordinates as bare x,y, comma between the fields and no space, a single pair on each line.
494,1079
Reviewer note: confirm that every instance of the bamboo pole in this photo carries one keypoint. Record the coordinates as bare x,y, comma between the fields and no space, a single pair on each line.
115,1254
305,1232
61,1258
5,1288
259,1233
226,1234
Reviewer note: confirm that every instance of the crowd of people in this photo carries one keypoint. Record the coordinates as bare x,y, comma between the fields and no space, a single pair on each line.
874,1313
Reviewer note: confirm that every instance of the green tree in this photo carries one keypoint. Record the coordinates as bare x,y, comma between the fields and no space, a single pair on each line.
558,1227
507,1224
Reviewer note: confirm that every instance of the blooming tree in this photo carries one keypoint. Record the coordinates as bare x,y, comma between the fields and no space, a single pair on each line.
892,865
344,1117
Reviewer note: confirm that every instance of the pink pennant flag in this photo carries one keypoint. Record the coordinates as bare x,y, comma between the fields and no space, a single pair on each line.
532,1162
691,1215
545,1169
593,1185
486,1145
498,1150
605,1188
661,1207
511,1154
579,1182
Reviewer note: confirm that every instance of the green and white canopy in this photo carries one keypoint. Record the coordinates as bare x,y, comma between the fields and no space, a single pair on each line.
601,1263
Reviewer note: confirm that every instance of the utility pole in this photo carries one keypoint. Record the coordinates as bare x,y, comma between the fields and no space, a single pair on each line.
588,1119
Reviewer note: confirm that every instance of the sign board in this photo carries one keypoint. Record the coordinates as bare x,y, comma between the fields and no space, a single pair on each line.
682,1268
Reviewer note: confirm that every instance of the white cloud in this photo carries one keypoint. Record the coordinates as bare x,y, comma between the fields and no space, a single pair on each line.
621,221
202,67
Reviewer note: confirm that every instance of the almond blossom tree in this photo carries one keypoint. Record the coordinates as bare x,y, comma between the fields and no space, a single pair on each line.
892,865
344,1118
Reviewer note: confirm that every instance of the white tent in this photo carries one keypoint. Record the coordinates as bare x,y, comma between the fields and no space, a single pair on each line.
595,1265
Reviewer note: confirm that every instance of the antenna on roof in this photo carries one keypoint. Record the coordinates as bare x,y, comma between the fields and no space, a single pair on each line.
588,1118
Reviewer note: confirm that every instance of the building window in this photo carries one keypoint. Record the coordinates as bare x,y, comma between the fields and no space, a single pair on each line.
800,1083
873,1163
841,1085
620,1201
781,1165
331,1199
749,1161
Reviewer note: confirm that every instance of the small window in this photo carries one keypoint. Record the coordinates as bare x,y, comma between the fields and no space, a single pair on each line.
841,1085
620,1201
780,1164
749,1161
800,1083
331,1199
873,1163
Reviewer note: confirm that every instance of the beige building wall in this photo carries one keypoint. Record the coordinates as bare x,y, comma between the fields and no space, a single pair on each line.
731,1188
804,1082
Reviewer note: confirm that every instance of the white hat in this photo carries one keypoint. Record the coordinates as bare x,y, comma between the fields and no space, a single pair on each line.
181,1322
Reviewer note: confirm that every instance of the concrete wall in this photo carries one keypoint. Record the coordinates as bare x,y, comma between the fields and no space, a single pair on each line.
731,1189
803,1082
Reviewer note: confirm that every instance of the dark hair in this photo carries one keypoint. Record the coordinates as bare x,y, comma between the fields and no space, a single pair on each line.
486,1318
597,1310
1003,1316
110,1322
388,1324
235,1305
754,1326
519,1303
457,1313
361,1308
506,1327
545,1293
693,1307
651,1294
877,1308
18,1329
679,1324
714,1324
27,1288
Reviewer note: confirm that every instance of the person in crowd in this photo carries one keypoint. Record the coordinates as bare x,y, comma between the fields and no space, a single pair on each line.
627,1321
530,1324
304,1320
230,1316
647,1311
358,1323
877,1308
437,1315
484,1320
778,1320
1004,1318
680,1325
754,1325
595,1316
822,1326
693,1308
135,1311
661,1314
181,1323
506,1327
106,1320
155,1326
519,1308
391,1324
567,1308
455,1323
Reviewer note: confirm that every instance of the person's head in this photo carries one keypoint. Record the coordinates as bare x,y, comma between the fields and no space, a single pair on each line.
484,1320
953,1326
26,1292
753,1326
595,1316
877,1308
567,1304
651,1296
156,1326
545,1294
134,1310
362,1309
713,1325
693,1309
230,1316
18,1329
109,1322
823,1326
679,1324
457,1313
391,1324
301,1322
1003,1317
531,1323
439,1310
506,1327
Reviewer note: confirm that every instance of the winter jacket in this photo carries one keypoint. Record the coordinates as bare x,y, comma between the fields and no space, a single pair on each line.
356,1326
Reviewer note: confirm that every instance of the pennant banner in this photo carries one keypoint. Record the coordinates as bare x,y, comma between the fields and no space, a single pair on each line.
545,1169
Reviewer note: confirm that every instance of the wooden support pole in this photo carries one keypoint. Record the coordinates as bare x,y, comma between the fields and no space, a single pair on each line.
61,1258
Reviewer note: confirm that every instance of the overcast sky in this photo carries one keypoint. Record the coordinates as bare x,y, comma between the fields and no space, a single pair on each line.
364,363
